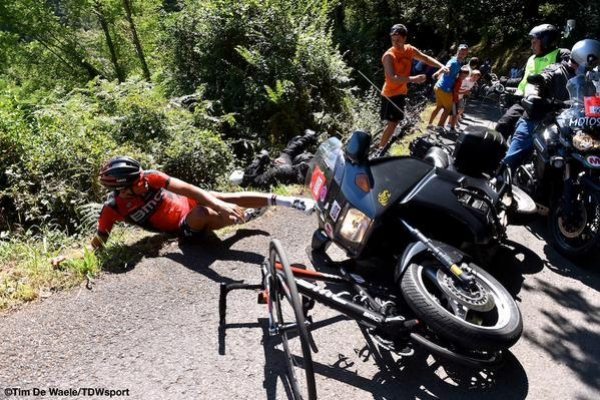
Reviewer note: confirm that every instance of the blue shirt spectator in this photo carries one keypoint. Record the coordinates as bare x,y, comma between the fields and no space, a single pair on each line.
446,81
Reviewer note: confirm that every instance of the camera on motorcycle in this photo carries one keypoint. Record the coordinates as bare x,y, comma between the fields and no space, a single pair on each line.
357,148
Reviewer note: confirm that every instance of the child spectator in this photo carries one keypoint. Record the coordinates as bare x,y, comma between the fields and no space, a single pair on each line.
465,89
462,75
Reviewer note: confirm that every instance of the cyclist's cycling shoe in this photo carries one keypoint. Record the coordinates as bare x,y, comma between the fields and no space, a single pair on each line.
253,213
307,206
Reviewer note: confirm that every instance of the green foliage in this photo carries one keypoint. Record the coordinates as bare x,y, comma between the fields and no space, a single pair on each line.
273,64
52,152
193,154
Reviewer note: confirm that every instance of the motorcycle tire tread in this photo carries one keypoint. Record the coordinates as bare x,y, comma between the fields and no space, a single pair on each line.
448,327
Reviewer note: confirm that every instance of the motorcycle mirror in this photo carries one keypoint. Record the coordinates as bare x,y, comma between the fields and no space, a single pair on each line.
357,148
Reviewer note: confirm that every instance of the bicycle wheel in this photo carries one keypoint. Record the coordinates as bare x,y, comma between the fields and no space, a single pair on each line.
288,318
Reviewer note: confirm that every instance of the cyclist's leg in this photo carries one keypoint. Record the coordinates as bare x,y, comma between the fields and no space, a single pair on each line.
259,200
201,219
245,199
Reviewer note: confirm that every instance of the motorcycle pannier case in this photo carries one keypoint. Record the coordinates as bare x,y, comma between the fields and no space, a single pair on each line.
478,151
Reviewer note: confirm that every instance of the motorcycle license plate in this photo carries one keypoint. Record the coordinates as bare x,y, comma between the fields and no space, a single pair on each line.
592,106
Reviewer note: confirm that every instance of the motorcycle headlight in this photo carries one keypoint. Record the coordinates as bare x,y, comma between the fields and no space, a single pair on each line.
354,225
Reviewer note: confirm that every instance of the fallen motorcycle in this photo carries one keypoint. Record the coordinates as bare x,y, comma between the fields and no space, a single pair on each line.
404,287
384,213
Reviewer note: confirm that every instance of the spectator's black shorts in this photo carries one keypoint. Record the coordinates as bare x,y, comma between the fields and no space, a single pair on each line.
389,112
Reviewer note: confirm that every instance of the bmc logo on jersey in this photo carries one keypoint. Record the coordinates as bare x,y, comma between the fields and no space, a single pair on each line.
148,208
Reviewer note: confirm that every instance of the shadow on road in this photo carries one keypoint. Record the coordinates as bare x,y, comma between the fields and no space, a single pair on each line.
576,345
120,258
199,254
419,376
585,271
511,262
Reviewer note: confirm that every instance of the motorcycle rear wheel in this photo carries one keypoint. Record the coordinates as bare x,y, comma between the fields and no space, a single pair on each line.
453,314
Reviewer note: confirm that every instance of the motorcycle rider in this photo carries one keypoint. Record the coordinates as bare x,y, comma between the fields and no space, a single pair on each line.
546,88
544,44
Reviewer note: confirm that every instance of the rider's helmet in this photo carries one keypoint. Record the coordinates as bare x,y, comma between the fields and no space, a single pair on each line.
586,53
548,35
120,172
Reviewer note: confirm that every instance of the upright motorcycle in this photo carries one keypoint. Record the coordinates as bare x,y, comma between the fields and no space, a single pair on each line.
563,175
402,223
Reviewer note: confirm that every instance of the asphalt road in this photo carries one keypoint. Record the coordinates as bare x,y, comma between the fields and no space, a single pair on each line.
153,329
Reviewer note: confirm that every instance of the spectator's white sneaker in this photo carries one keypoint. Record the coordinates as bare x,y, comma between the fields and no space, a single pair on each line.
307,206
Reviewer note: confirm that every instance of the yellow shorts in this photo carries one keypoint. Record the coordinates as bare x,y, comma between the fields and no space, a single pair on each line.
443,99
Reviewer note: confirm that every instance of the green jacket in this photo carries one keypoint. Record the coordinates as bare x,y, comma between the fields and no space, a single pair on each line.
535,65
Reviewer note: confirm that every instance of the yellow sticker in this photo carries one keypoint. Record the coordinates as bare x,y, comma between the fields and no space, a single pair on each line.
384,197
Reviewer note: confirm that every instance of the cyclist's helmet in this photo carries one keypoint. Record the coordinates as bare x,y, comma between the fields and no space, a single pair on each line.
548,35
120,172
586,53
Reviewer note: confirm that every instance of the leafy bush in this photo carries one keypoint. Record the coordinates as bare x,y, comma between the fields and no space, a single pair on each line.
52,152
196,156
273,64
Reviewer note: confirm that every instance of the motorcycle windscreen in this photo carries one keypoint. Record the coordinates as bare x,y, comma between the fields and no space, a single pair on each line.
322,166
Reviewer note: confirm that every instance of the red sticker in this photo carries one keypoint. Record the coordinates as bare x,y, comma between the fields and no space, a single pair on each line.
317,181
592,106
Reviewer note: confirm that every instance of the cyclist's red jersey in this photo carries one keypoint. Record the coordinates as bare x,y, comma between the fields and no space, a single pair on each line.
158,210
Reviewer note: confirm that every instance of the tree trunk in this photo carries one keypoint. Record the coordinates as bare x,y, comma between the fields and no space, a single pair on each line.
136,40
109,42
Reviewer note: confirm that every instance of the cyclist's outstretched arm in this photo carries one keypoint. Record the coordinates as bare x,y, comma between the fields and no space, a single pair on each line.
207,199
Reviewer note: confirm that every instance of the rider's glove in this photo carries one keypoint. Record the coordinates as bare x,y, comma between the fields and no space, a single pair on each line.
535,79
535,106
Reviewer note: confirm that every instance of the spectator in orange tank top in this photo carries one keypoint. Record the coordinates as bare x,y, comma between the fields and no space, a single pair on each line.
397,62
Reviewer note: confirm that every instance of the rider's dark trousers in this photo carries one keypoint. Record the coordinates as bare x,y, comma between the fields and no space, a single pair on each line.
507,123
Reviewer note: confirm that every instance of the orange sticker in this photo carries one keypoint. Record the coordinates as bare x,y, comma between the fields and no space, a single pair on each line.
317,181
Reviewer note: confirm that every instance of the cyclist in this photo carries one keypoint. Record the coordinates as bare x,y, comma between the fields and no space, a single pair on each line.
155,201
544,44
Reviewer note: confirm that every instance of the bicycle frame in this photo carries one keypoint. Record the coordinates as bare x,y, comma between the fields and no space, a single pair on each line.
369,317
371,314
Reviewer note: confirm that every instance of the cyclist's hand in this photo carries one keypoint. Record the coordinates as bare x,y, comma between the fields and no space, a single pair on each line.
233,212
418,78
56,261
445,70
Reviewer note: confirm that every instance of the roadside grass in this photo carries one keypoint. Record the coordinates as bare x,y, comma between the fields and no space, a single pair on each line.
26,273
400,148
